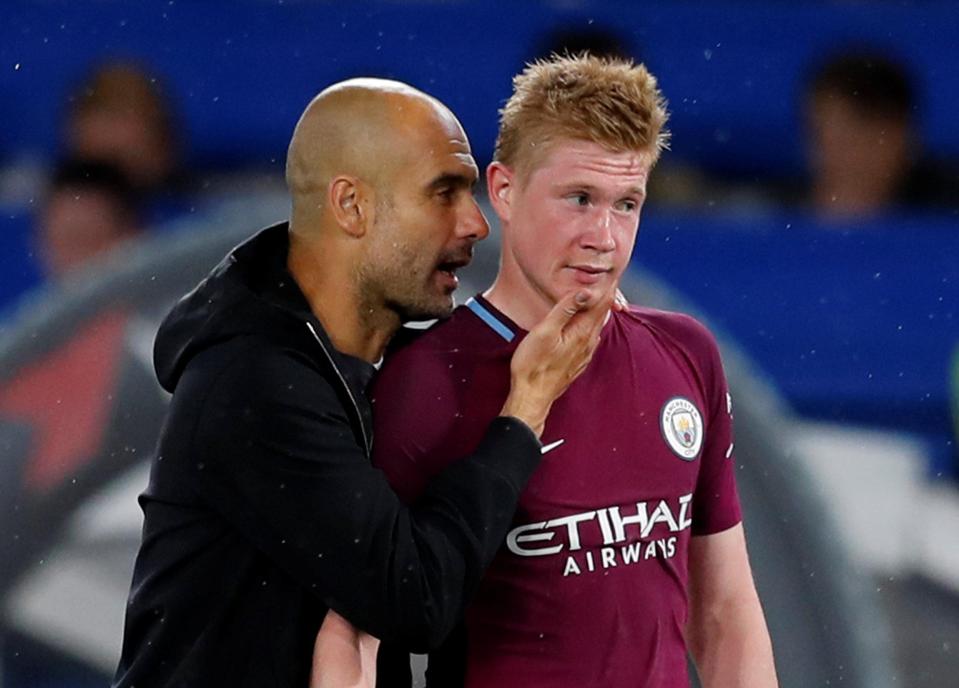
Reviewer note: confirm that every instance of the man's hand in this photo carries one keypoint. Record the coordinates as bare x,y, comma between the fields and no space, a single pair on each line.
553,354
343,656
619,302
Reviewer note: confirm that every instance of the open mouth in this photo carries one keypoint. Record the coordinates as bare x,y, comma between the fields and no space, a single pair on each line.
450,267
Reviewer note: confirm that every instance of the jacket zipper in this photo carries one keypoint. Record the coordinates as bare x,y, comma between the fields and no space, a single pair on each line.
349,392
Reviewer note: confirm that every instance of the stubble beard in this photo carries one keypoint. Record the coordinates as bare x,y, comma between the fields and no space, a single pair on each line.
399,280
410,291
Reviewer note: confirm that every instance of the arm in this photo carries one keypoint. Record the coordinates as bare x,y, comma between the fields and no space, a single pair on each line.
541,350
278,460
343,658
726,632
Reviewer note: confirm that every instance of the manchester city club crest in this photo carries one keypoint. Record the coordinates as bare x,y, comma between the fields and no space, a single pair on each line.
682,427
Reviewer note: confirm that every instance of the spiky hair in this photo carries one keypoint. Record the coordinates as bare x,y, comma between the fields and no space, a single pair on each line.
606,100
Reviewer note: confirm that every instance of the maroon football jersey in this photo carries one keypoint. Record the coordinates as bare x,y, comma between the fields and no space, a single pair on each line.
589,588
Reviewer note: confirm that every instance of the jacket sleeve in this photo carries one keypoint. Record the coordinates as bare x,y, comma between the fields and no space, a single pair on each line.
277,458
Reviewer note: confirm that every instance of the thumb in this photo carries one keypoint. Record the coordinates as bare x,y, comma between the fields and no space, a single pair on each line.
599,309
568,306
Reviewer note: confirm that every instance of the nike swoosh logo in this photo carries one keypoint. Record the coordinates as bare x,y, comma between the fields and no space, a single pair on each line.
551,446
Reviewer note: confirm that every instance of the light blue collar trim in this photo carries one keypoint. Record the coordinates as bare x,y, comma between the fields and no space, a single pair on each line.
490,319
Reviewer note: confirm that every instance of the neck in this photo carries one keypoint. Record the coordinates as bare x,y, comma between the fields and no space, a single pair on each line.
327,280
515,297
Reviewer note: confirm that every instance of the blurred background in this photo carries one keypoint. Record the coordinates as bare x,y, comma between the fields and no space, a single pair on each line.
808,210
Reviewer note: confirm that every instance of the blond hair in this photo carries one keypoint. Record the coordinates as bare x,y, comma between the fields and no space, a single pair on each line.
610,101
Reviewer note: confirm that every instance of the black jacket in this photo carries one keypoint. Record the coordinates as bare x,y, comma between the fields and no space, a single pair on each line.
263,510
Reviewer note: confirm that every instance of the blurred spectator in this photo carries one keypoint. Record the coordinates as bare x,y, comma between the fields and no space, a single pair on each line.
120,114
864,150
90,209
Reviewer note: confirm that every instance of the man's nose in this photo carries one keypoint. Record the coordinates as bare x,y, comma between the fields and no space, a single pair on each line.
599,235
471,223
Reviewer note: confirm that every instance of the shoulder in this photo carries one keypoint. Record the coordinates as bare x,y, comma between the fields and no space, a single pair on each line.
258,369
681,328
678,332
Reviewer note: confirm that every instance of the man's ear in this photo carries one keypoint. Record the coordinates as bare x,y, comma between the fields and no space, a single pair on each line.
499,187
350,202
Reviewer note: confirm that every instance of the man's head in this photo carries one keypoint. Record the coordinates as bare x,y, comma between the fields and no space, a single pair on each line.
120,114
88,210
859,118
381,176
577,141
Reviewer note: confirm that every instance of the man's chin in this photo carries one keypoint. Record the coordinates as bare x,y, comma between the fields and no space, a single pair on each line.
595,289
418,312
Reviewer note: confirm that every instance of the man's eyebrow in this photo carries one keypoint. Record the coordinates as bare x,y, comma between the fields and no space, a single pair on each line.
633,190
451,179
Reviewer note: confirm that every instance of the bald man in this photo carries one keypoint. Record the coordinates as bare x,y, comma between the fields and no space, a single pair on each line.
263,513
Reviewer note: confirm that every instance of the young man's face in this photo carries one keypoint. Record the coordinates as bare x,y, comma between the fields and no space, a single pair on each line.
572,222
856,156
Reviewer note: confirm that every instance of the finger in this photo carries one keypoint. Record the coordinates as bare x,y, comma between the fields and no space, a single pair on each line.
619,301
568,306
595,315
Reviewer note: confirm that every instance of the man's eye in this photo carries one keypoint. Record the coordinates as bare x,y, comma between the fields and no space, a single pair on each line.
627,206
578,199
446,194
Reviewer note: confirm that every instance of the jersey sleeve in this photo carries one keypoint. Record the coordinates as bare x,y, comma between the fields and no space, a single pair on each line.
716,499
